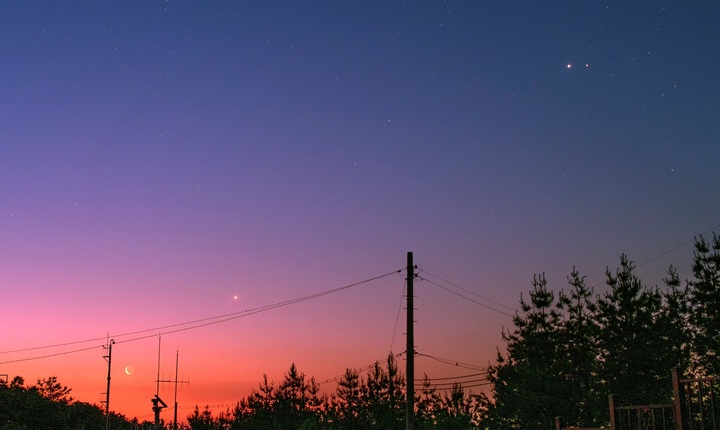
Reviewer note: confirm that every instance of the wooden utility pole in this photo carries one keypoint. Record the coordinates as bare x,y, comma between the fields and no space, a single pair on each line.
108,358
157,404
410,351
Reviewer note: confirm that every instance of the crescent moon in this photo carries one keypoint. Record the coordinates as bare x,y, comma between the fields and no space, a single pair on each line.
129,370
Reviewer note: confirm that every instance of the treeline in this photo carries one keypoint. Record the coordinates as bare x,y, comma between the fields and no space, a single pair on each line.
565,354
568,351
48,405
375,400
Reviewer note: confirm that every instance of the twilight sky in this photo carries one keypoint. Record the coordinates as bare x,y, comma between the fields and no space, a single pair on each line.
169,161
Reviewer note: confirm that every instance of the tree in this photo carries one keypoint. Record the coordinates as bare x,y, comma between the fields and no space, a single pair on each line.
293,404
704,291
579,348
635,357
458,410
526,385
48,405
291,400
260,407
428,403
347,404
673,323
51,389
385,395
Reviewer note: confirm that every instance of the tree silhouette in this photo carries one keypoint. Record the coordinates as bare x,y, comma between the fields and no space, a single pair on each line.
705,304
635,360
526,384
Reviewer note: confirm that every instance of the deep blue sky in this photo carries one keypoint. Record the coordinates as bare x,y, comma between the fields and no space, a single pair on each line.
159,158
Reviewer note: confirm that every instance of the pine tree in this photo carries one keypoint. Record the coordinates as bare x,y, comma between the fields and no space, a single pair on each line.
347,405
428,403
526,385
705,305
385,398
634,357
51,389
202,420
585,405
291,400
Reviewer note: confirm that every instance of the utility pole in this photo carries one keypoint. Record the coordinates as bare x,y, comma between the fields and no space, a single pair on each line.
410,351
157,404
108,357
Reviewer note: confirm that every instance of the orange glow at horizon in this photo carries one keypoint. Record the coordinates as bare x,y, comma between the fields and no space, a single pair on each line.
223,363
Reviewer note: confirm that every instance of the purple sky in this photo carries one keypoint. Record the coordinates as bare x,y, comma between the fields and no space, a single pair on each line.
159,158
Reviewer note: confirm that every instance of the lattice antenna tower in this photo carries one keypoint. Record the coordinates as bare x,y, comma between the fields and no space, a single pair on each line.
156,401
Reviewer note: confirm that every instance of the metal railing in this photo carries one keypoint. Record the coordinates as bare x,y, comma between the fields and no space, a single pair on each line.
698,403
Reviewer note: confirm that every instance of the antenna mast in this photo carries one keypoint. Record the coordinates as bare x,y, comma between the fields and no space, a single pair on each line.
158,404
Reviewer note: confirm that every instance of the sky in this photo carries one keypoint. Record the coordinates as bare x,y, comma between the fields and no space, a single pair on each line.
165,163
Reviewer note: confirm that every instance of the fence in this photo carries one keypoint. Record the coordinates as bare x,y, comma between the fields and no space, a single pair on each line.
697,403
695,407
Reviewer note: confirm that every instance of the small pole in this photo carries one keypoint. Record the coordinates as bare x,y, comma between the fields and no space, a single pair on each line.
611,405
177,355
677,399
108,357
157,390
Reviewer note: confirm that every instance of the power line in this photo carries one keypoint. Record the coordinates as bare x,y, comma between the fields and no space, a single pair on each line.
678,246
662,254
466,336
465,297
397,319
358,371
51,355
190,325
453,377
453,362
261,309
448,385
482,384
222,405
467,290
57,345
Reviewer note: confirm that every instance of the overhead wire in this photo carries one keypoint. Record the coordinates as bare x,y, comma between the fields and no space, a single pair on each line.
678,246
465,297
397,318
468,290
458,339
358,370
56,354
57,345
188,325
662,254
454,378
452,362
483,384
448,385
